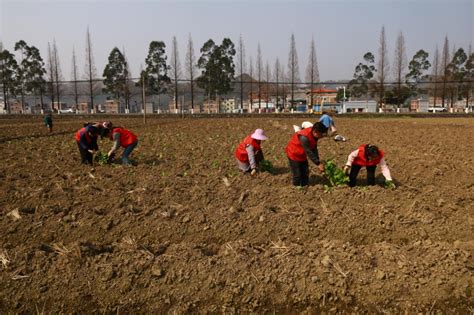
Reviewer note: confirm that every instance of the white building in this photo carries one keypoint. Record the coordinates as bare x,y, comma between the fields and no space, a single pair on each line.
359,107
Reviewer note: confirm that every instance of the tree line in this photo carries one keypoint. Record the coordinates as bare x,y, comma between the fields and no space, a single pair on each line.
450,79
219,66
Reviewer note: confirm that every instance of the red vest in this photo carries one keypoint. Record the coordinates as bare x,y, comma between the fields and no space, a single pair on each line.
80,132
126,136
241,153
361,159
294,149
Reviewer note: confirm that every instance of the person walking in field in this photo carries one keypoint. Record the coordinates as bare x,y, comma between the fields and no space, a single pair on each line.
369,156
86,139
303,145
249,153
48,121
122,138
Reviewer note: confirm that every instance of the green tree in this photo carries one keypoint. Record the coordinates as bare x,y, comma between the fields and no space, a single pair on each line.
217,66
35,82
156,71
8,76
457,72
417,67
22,68
468,87
340,95
364,72
115,73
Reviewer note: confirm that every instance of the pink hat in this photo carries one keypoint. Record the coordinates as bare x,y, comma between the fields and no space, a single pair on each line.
258,135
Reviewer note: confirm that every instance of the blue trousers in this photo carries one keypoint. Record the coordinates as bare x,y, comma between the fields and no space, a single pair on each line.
127,151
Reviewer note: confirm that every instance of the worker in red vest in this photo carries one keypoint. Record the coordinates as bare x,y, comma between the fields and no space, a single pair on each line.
369,156
86,139
303,145
249,152
122,138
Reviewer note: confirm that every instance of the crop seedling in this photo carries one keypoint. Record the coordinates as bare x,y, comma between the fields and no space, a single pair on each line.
266,166
334,174
101,158
389,184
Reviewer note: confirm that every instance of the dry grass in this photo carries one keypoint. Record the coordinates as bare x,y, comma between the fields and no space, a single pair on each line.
4,259
60,249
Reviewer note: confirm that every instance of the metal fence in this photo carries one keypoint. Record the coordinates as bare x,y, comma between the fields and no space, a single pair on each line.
244,97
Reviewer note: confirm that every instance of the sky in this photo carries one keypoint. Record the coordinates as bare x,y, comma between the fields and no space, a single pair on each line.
343,30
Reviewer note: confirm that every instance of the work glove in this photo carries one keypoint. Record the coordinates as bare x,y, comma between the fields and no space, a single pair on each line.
347,169
253,172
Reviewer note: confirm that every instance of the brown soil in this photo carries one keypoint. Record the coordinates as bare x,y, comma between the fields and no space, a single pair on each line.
184,231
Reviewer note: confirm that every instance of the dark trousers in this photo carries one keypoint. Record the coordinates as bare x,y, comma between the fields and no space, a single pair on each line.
355,171
300,172
86,156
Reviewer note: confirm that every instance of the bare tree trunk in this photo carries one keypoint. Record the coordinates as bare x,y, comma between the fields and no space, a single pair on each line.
293,68
56,72
51,74
74,77
383,67
400,62
444,68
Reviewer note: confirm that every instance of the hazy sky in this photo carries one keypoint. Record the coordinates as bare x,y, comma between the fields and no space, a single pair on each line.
343,30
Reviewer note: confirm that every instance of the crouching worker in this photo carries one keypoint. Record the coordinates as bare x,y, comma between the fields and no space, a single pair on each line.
327,120
122,138
304,145
369,156
249,153
86,139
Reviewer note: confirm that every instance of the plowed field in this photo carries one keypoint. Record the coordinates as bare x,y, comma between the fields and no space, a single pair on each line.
184,231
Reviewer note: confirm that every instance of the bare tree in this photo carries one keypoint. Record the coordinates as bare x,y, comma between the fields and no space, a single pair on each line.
21,73
293,69
128,86
259,68
435,75
383,66
277,73
268,75
312,72
191,68
50,73
251,82
444,68
74,74
241,68
90,70
175,69
57,73
399,64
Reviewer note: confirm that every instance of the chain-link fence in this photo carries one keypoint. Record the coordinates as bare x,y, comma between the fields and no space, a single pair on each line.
185,96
